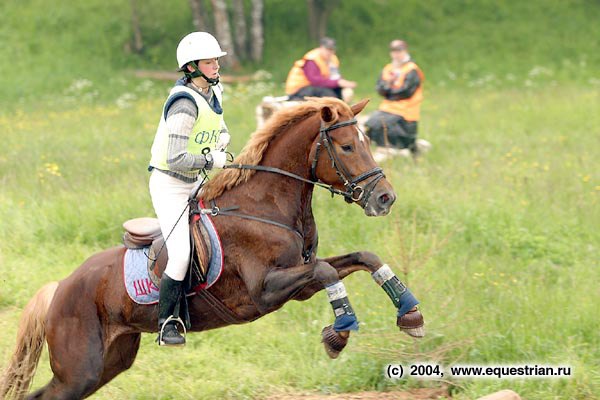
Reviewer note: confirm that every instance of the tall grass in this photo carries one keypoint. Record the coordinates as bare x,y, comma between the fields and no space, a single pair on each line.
495,230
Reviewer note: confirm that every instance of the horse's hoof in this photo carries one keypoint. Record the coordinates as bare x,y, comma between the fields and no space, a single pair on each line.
333,341
412,323
414,332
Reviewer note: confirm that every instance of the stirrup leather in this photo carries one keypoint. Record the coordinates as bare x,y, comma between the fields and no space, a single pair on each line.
162,329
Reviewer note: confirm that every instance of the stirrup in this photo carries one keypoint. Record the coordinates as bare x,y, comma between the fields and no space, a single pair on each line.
177,320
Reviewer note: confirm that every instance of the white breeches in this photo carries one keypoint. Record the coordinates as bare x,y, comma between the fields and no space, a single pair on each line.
170,197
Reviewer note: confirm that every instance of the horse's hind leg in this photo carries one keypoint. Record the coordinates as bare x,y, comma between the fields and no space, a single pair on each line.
74,336
72,380
410,319
119,356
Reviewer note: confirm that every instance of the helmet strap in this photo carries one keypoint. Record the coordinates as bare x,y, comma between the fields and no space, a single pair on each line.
197,73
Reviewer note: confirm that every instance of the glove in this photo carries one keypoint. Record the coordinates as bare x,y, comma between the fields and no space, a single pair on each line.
224,140
215,159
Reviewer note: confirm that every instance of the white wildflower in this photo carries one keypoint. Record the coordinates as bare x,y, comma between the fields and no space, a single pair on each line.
125,100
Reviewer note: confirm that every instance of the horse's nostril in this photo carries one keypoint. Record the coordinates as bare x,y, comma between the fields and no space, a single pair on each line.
386,199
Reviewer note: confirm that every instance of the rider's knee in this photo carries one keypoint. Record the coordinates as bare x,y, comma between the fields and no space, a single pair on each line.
177,266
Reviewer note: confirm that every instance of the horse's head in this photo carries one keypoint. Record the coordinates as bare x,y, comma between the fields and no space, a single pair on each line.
342,158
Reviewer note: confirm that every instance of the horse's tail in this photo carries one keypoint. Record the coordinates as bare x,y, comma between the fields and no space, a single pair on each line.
17,377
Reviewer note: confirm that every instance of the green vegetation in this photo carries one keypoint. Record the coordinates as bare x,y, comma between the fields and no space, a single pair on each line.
496,229
458,43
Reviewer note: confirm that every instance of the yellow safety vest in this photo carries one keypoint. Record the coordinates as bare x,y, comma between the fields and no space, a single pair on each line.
410,108
296,79
205,133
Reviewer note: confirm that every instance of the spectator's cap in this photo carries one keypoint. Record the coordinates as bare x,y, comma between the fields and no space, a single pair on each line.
328,43
398,45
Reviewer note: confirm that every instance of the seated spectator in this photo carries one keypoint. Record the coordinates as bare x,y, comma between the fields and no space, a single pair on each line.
317,74
394,124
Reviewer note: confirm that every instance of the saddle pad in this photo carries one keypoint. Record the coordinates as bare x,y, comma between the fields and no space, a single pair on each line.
140,287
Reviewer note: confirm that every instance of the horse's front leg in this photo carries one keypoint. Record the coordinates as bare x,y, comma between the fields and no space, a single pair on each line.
410,319
301,282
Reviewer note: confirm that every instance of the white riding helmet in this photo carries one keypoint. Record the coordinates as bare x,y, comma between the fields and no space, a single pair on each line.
198,46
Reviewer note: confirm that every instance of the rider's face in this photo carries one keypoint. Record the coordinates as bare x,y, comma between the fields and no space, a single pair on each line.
209,67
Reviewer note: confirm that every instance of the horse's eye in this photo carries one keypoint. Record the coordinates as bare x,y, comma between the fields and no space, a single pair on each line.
348,148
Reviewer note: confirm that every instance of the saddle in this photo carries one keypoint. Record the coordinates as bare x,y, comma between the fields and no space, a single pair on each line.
145,233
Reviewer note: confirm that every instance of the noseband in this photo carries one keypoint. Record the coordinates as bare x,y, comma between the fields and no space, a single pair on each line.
354,192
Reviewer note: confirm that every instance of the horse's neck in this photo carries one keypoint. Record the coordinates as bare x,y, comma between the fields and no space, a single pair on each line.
289,151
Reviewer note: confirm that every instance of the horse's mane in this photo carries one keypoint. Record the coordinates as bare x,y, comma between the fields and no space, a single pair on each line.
255,149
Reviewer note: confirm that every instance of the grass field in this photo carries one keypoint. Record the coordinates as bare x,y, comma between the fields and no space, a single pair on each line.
496,231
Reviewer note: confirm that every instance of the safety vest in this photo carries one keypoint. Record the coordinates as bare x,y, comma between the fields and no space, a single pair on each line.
409,109
205,133
296,79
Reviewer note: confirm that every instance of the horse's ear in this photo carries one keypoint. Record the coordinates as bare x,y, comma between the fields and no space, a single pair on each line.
328,115
358,107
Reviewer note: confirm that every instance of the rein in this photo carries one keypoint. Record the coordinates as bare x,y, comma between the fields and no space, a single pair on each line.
353,193
279,171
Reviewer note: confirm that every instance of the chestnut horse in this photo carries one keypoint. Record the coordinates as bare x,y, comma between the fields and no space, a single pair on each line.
93,328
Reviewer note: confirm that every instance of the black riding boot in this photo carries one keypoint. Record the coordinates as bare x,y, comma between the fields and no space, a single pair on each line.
170,292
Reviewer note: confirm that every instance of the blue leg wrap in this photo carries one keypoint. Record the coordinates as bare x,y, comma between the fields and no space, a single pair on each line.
345,319
407,302
401,296
345,323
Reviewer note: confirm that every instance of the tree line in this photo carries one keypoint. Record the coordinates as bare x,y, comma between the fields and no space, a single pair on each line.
237,24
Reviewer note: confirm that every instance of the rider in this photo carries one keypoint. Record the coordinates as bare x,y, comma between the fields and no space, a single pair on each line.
191,136
401,85
317,74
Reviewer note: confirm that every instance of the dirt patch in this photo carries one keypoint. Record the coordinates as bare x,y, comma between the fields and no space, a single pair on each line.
413,394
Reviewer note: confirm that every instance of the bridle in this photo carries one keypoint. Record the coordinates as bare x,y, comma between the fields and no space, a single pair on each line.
353,191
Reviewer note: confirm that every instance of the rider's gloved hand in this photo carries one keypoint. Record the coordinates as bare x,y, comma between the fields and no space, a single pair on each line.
224,140
215,159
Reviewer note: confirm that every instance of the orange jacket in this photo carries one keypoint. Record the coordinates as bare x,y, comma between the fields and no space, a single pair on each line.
296,79
409,108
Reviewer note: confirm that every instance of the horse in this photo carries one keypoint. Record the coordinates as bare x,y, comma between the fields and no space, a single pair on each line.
93,328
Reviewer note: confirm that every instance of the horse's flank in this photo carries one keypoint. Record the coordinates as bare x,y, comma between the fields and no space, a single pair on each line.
256,147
